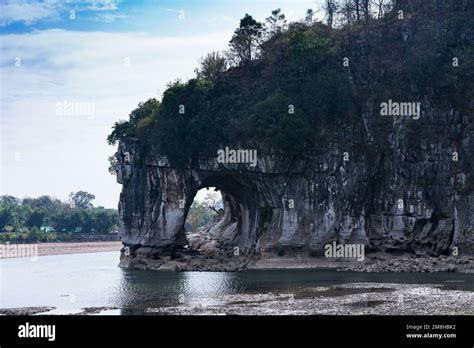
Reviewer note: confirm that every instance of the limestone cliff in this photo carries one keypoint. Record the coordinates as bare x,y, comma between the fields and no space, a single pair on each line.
396,184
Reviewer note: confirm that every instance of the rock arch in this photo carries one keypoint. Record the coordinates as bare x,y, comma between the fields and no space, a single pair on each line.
241,198
283,205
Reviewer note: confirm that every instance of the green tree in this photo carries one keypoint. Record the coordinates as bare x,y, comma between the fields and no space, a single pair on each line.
8,200
104,221
246,41
211,66
128,128
81,199
8,216
120,130
276,23
309,17
52,205
199,215
69,220
143,110
36,217
330,7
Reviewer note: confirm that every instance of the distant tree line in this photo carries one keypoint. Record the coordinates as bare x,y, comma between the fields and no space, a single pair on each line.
45,217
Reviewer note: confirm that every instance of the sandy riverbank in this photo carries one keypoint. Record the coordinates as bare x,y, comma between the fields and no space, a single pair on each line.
76,248
59,248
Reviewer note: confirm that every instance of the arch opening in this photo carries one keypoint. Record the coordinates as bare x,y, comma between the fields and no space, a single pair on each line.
233,223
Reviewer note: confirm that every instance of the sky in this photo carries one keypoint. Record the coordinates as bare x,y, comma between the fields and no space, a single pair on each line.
70,69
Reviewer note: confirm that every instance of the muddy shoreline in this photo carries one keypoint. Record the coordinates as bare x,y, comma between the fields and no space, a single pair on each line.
345,299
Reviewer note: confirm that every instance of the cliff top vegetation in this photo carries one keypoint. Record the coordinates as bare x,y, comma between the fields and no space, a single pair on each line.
289,87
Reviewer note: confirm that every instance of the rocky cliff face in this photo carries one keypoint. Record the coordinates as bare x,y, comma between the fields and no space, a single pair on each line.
423,203
395,187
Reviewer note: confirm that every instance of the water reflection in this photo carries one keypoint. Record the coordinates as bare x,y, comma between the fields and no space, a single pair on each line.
73,282
207,287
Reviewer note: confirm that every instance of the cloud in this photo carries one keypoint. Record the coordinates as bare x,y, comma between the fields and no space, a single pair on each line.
98,5
26,11
109,17
31,11
113,71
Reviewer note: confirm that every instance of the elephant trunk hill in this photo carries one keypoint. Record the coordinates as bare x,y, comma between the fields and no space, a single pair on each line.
362,134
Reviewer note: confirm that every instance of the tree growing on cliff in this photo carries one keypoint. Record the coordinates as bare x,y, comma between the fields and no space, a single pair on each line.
276,23
245,44
381,7
143,111
211,66
346,12
330,8
140,118
308,19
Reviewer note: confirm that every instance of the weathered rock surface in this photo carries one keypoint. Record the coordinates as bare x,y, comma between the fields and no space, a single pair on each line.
270,211
367,185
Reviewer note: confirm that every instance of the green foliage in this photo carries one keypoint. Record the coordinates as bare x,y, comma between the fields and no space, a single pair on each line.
211,66
179,131
299,67
306,43
36,217
32,236
143,110
275,121
246,40
145,126
81,199
326,97
128,128
121,129
8,200
32,219
276,23
199,215
9,215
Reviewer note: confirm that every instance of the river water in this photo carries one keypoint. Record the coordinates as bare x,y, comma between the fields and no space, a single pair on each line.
73,282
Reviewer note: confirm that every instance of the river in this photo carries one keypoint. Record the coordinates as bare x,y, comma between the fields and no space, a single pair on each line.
71,283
